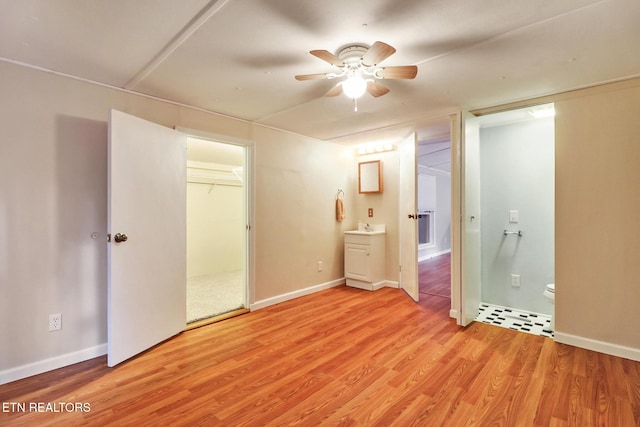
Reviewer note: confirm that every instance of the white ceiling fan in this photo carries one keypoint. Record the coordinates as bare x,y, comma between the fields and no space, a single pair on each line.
359,65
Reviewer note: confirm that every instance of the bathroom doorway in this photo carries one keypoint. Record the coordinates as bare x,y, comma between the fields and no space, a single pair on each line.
217,229
509,213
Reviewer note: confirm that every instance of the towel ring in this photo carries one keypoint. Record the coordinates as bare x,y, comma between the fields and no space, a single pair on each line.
339,194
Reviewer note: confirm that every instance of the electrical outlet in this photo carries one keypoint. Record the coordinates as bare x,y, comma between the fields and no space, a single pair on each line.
370,213
515,280
320,265
55,322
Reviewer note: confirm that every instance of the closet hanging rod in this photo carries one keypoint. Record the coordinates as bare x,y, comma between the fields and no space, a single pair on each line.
215,183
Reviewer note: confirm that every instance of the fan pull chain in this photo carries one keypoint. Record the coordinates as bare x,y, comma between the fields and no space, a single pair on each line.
355,104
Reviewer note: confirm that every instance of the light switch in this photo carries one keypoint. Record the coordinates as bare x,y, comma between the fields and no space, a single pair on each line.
513,216
515,280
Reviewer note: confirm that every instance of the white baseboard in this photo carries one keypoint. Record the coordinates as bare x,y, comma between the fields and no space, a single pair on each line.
295,294
52,363
599,346
433,255
39,367
61,361
453,313
386,284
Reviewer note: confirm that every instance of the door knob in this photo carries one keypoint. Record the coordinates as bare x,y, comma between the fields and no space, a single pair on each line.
120,237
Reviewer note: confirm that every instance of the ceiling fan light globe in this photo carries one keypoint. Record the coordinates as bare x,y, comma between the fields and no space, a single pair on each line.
354,87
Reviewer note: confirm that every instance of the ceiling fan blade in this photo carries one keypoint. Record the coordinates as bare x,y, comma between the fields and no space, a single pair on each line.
334,91
376,89
400,72
302,77
327,56
377,53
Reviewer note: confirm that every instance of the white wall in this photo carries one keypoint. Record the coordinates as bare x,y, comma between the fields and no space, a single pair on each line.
597,218
442,226
215,229
215,208
517,173
297,182
53,191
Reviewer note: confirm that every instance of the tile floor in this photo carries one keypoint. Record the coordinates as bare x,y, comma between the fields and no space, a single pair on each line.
537,324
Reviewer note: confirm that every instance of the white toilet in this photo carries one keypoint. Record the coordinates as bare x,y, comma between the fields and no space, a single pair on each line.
550,295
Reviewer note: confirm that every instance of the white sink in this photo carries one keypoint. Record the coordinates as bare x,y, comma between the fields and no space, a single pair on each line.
368,229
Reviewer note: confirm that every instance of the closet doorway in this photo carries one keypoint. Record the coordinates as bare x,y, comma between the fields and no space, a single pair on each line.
217,230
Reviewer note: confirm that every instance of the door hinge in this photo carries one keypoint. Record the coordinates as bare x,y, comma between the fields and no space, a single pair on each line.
400,268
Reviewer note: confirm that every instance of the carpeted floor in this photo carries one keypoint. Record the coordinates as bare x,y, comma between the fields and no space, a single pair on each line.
209,296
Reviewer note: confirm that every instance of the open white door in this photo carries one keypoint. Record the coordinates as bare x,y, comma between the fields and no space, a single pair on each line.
470,278
408,224
147,203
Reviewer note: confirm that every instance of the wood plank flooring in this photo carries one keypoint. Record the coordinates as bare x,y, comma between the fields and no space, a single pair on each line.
343,357
434,276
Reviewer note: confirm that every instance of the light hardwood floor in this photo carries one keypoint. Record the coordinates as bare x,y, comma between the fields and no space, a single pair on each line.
434,276
344,357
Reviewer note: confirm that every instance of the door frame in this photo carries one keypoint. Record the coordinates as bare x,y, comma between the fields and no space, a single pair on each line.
249,177
456,217
459,291
470,219
454,120
460,287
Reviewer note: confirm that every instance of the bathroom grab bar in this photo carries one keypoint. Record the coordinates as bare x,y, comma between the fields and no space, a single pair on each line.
519,232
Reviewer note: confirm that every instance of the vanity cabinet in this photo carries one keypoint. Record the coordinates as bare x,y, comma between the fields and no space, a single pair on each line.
364,259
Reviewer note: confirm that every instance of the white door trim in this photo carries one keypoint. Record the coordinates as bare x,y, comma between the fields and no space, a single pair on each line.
249,177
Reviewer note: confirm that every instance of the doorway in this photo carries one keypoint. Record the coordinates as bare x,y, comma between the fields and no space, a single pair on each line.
216,230
434,213
508,214
147,232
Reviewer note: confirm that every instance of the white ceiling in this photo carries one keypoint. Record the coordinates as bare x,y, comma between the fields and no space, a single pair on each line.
239,57
435,157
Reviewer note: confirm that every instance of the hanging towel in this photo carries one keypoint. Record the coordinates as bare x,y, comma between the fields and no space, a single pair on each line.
339,210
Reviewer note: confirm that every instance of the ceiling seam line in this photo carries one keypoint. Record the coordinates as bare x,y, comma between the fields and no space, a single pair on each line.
414,122
120,89
156,98
436,151
182,36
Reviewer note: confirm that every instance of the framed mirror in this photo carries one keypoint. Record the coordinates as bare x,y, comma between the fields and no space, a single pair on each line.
370,177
